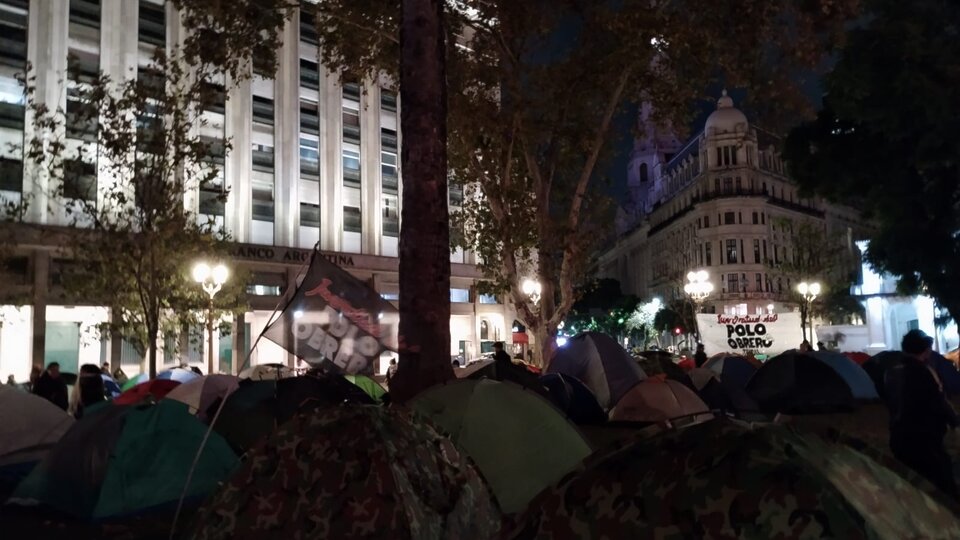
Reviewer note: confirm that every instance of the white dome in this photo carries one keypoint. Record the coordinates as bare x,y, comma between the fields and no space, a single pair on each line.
726,118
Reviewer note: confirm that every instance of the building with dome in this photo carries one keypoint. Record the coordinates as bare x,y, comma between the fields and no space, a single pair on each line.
721,202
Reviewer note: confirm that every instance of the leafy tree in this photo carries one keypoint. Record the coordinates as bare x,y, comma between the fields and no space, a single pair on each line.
885,141
814,255
534,88
603,307
135,239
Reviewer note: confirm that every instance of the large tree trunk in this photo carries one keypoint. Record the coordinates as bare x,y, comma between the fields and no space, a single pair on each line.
152,332
424,233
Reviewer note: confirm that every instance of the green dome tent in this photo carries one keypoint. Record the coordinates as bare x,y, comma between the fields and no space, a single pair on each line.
368,385
127,460
518,440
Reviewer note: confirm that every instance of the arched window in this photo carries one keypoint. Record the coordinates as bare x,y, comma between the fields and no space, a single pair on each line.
644,175
484,330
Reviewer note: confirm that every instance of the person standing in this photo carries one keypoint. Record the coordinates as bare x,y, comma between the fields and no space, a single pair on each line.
920,414
391,370
50,386
501,360
700,357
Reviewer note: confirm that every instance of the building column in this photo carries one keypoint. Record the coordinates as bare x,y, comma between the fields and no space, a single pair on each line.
370,186
41,280
239,342
47,38
286,136
330,106
875,315
239,162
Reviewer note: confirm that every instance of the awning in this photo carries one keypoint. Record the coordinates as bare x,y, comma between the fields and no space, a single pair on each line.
521,337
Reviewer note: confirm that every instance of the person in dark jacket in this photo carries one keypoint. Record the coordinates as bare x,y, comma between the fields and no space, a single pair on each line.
50,386
700,357
501,360
920,414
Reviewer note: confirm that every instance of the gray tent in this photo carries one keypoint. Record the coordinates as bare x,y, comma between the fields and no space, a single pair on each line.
601,363
29,426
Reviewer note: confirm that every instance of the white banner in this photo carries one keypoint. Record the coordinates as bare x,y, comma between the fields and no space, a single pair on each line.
769,334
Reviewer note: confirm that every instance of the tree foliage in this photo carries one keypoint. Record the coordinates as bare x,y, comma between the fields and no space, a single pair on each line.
534,88
603,307
824,258
886,141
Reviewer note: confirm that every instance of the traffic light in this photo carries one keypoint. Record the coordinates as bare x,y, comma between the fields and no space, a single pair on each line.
677,330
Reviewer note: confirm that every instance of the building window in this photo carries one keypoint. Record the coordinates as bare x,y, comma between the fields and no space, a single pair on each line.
310,215
309,158
262,201
488,298
263,110
733,283
351,125
716,185
756,251
80,180
733,155
728,185
309,74
14,22
388,100
309,117
706,222
484,330
739,185
759,286
729,218
262,158
351,167
352,219
756,218
152,24
707,255
460,296
455,192
644,175
731,252
391,216
308,24
351,91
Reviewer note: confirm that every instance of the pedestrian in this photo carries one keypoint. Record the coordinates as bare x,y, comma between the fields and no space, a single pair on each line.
120,376
920,414
88,390
700,357
502,364
805,346
11,381
821,346
391,370
105,369
34,377
50,386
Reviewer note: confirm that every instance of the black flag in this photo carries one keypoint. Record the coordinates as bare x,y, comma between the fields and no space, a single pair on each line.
336,320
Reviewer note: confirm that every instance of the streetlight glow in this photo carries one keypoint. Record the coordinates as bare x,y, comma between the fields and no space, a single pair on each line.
808,293
212,280
201,271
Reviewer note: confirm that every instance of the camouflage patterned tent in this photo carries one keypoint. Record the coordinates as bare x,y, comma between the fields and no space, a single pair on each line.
350,472
722,480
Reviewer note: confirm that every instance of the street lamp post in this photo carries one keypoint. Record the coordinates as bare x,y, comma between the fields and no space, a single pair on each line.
808,293
698,288
212,280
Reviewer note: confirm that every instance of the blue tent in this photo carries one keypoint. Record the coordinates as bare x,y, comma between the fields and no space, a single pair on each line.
860,383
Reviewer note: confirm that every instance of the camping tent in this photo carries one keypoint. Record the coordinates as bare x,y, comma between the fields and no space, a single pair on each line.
127,460
658,400
721,479
352,472
518,440
601,363
797,383
856,378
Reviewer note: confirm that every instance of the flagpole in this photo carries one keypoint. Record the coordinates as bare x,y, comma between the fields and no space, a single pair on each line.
284,303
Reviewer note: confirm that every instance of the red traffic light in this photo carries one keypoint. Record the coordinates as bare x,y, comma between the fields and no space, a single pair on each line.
676,330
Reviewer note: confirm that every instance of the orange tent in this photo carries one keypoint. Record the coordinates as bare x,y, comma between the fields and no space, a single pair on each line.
656,400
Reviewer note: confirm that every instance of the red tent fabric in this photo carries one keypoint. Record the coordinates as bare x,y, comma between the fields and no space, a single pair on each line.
858,357
157,388
687,364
